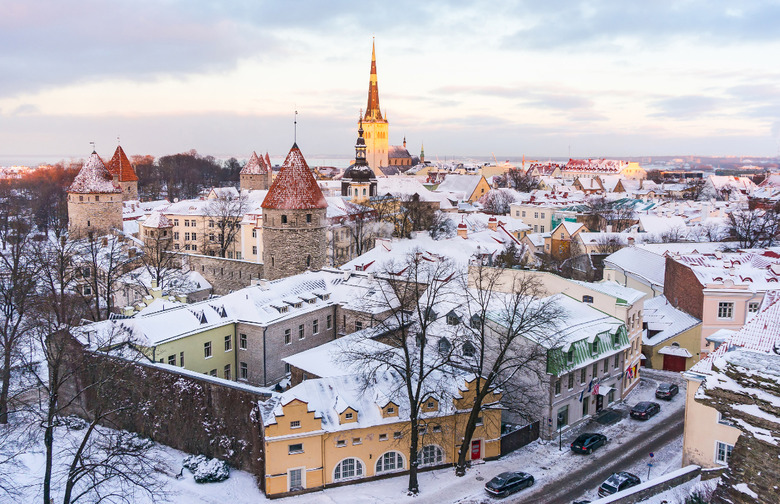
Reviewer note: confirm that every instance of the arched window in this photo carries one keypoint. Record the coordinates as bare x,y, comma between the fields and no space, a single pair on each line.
348,468
469,350
390,461
430,455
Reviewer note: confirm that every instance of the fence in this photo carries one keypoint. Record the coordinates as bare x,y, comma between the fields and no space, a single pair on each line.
519,438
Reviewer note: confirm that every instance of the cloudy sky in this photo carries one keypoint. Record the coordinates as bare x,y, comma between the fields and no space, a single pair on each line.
553,78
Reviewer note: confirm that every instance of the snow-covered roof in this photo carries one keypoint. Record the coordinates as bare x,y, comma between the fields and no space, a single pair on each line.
668,321
157,220
328,360
255,166
758,270
94,177
623,295
759,334
253,305
579,321
329,397
659,225
460,184
640,263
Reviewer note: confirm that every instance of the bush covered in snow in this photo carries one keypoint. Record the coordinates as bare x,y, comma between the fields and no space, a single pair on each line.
207,470
73,422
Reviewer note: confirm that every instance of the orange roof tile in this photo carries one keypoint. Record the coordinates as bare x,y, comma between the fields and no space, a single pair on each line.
120,166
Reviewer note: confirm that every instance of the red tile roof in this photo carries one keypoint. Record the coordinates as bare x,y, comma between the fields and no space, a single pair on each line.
93,178
120,166
295,187
255,166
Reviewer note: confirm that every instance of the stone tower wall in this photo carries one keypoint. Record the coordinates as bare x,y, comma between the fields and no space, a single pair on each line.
286,246
256,181
129,190
95,213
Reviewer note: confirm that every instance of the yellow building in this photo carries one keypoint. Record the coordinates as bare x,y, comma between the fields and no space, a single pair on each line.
376,128
329,431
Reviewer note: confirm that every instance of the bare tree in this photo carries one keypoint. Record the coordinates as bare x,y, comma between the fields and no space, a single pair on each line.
511,328
100,262
17,286
413,215
224,214
754,228
496,202
608,243
364,227
410,297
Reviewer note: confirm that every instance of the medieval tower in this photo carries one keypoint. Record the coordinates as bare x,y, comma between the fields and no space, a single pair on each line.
375,126
124,175
257,173
294,221
94,201
358,183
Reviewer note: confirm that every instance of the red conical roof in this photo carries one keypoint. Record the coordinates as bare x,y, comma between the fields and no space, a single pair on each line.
120,166
93,178
295,187
373,113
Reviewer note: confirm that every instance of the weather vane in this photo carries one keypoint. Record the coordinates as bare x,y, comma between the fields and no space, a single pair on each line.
117,140
93,146
295,127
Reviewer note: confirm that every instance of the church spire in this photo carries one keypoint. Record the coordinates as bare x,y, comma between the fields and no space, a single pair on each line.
373,113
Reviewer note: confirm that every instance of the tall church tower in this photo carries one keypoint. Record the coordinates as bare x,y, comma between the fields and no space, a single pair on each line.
374,125
294,221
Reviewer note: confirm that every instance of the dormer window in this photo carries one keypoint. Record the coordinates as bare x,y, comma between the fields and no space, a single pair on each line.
594,347
452,318
390,410
348,416
616,339
587,299
570,356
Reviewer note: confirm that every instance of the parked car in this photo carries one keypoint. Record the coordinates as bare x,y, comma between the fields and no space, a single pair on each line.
587,442
508,482
618,482
645,409
666,391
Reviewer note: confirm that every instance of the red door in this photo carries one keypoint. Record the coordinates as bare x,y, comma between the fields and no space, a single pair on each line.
674,363
476,450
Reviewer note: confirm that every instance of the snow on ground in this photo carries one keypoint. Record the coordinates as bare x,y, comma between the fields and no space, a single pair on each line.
678,494
541,458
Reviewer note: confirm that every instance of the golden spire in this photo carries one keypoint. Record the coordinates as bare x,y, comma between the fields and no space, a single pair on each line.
372,109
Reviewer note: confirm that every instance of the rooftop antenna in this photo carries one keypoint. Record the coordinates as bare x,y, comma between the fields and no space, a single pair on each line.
295,126
93,146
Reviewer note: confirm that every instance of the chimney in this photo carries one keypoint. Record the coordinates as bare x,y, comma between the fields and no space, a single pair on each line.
631,241
463,230
492,223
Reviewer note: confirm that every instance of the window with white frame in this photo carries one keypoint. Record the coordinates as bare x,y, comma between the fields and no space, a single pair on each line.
295,479
295,448
329,322
287,336
207,349
390,461
348,468
723,452
242,342
244,370
295,424
315,326
228,343
301,332
430,455
725,310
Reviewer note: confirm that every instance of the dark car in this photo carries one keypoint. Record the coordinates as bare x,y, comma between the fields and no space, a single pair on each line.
666,391
508,482
586,443
644,410
618,482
